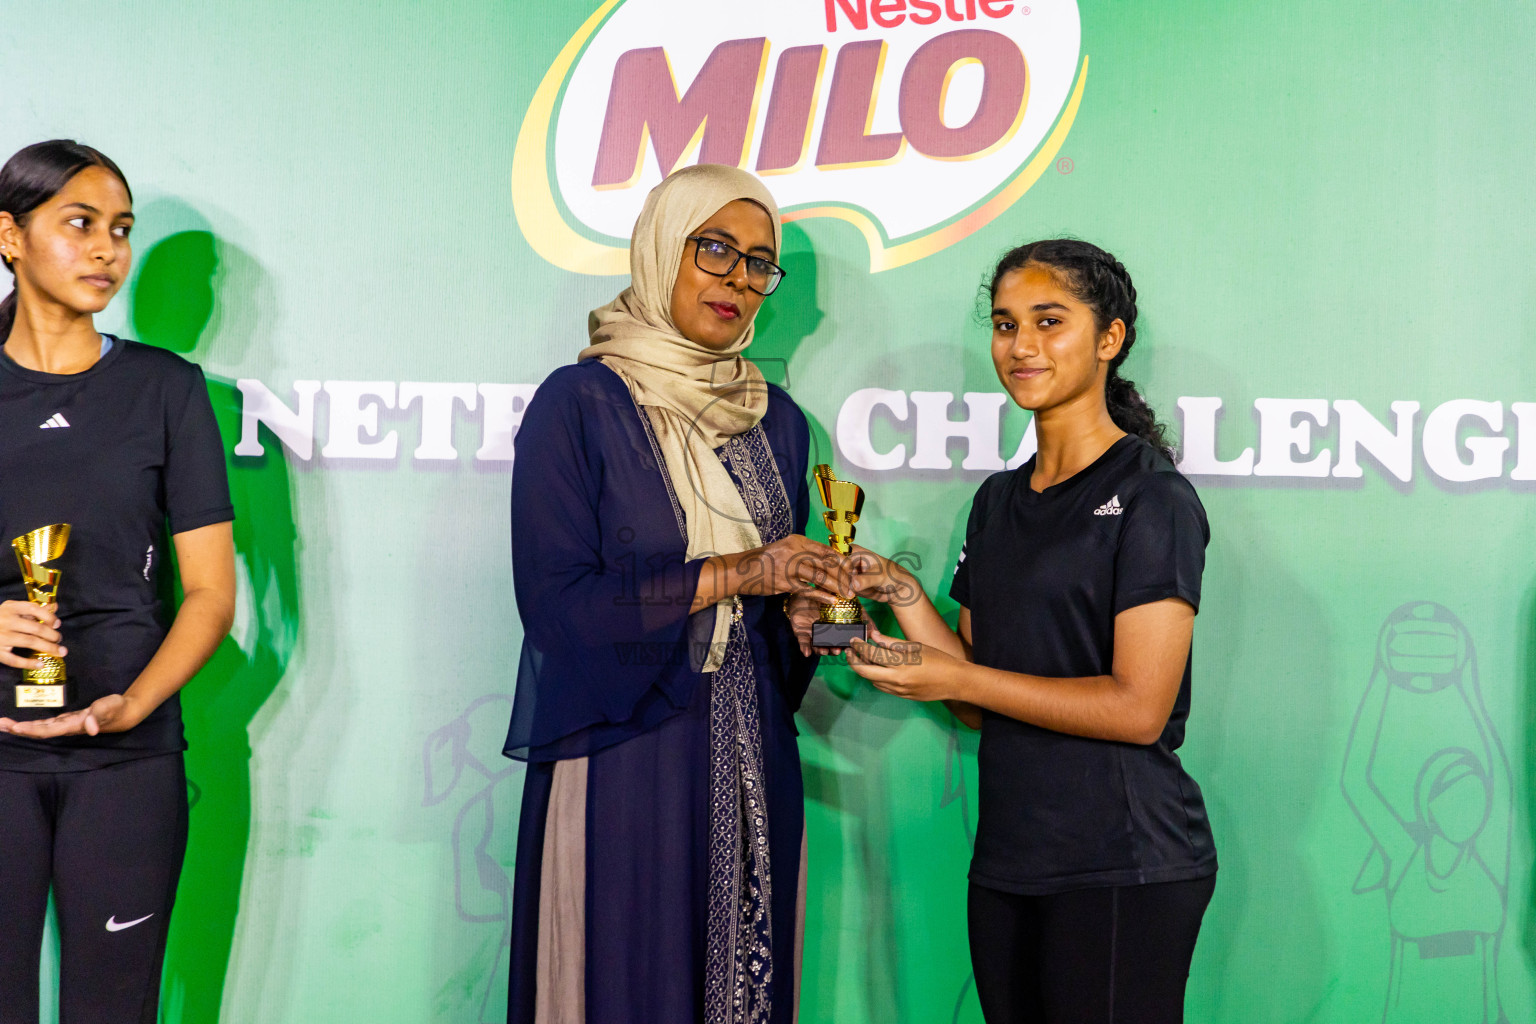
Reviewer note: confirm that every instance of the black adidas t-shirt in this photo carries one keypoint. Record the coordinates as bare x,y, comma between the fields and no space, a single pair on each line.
128,454
1044,576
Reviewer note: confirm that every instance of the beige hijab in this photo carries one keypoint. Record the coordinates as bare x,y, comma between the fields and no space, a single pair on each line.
696,398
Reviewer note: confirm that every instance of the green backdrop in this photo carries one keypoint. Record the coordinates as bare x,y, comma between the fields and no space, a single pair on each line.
1321,203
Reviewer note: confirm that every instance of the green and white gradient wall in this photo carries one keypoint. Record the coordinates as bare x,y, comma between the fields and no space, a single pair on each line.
1321,203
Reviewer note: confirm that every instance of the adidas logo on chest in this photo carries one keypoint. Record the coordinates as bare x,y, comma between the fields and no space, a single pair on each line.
1112,507
55,421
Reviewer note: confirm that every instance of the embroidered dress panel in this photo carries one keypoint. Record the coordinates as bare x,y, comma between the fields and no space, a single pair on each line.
738,975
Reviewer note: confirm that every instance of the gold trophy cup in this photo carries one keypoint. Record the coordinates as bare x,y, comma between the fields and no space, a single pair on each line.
843,621
44,686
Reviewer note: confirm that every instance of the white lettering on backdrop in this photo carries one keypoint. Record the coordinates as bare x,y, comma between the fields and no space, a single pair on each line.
354,429
1460,441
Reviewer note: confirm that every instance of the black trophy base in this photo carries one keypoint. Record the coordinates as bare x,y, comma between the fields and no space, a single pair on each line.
836,634
54,696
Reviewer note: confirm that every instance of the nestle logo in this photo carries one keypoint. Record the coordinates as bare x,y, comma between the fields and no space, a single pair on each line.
890,13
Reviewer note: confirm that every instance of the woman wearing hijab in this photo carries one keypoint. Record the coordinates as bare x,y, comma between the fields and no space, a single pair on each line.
657,509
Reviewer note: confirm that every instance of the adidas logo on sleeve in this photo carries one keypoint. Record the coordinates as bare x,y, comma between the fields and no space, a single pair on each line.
1112,507
56,420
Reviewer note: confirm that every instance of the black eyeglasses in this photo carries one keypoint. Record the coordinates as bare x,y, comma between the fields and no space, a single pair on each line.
717,258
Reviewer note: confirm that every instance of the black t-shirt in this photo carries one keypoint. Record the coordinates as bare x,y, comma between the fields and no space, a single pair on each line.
128,453
1044,576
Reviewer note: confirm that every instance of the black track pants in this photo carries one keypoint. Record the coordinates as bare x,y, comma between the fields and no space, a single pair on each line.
1092,956
110,843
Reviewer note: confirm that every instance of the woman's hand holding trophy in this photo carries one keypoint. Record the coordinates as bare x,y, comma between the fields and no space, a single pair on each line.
828,625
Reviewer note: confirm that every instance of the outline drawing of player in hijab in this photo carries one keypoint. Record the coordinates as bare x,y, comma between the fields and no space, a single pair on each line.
1425,773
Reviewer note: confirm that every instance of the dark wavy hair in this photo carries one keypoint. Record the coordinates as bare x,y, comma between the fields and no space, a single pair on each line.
1100,282
32,177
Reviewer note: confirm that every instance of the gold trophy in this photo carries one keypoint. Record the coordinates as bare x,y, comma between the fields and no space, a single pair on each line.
842,621
44,686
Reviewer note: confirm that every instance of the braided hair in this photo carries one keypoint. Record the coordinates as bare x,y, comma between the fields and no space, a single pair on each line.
1102,283
32,177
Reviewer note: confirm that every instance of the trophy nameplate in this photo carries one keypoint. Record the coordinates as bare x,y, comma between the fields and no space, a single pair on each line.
47,685
841,622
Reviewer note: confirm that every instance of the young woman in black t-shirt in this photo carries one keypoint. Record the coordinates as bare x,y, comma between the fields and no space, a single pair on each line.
118,440
1078,586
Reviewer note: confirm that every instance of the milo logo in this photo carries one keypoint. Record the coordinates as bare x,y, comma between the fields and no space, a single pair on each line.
917,121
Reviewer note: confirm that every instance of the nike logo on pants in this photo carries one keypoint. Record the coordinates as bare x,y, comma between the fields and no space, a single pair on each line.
113,925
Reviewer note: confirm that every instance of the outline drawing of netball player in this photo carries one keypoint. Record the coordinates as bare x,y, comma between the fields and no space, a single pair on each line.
482,889
1427,776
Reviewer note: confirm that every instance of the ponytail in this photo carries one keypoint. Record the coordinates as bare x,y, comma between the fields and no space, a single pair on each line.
1102,283
1133,414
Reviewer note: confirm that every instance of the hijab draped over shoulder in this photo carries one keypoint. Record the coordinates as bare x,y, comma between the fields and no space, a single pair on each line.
695,397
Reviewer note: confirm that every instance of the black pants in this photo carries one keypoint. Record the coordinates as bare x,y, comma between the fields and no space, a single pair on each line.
109,842
1093,956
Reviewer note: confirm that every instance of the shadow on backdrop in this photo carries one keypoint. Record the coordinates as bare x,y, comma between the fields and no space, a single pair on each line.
186,282
848,730
832,782
792,315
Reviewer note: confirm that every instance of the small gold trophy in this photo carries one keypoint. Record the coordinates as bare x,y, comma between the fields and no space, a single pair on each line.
44,686
843,621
